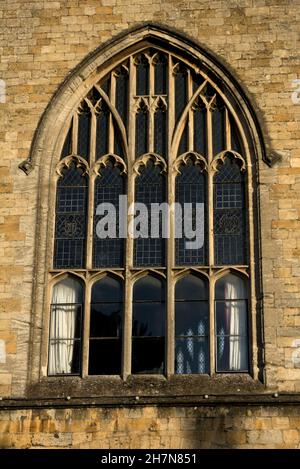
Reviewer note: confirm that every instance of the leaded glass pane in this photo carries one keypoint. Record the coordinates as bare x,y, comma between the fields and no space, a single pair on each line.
108,251
190,189
70,225
149,189
229,214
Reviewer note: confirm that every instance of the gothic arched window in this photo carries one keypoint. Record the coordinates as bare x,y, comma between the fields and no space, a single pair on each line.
154,215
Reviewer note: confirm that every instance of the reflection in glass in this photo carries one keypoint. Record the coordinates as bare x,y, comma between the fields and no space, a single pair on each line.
148,326
231,324
191,326
106,327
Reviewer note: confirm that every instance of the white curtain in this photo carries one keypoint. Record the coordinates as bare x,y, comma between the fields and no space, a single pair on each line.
62,325
236,318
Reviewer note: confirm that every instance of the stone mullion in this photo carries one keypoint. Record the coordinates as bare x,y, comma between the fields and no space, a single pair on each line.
151,108
90,215
190,113
210,232
127,330
86,329
170,330
111,130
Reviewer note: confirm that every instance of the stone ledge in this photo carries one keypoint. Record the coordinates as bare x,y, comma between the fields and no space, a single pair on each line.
262,399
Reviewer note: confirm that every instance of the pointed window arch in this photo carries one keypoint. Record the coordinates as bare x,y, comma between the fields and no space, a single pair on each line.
158,123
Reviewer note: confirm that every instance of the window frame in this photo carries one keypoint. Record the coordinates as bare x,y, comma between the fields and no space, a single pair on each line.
171,272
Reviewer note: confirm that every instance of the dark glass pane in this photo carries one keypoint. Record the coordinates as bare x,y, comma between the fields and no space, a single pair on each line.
67,148
106,320
84,129
105,85
105,357
70,225
191,318
102,124
122,94
218,128
118,145
149,189
160,74
200,132
142,76
191,287
180,90
190,188
191,356
70,347
148,326
107,289
149,288
197,81
231,287
232,353
66,321
141,135
229,215
236,140
183,145
148,355
148,319
160,131
109,251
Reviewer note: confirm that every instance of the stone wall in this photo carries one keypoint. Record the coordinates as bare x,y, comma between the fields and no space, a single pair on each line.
258,40
152,427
